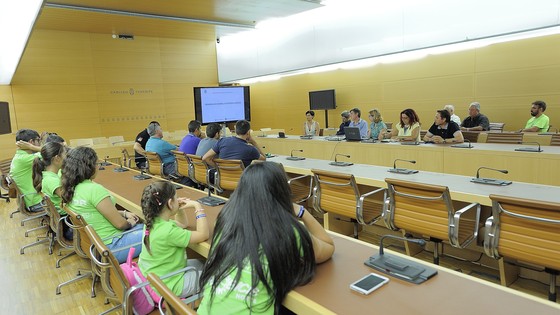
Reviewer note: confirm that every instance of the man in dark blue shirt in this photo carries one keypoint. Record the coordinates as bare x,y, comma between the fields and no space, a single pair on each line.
345,122
241,147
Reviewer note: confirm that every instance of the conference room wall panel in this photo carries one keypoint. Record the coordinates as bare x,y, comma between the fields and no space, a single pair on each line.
131,109
57,57
50,75
126,59
42,112
25,94
436,88
197,77
188,61
105,42
7,147
128,75
187,46
127,92
60,40
179,90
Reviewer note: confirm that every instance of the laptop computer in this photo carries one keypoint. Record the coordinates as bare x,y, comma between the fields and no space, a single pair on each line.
352,134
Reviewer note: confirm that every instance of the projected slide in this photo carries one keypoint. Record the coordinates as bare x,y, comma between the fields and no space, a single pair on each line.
222,104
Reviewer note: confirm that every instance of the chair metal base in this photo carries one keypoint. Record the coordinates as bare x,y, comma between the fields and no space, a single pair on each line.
78,278
39,241
552,288
62,258
12,214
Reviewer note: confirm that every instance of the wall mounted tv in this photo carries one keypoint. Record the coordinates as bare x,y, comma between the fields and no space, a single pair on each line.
322,99
222,104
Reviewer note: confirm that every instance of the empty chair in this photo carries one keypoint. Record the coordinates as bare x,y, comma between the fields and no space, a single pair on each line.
169,302
100,140
428,210
56,224
338,193
555,140
472,136
228,173
423,133
525,230
127,160
116,140
389,125
86,142
504,137
496,127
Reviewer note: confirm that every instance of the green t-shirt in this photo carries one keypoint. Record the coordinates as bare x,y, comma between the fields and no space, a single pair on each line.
168,244
542,122
87,196
233,300
21,171
50,183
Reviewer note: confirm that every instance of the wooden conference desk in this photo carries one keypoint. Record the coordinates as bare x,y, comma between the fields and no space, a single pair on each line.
329,291
530,167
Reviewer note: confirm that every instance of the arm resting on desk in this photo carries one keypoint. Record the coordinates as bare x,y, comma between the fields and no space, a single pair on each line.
323,244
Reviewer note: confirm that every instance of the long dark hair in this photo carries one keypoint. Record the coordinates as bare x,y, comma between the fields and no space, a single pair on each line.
412,116
259,219
79,165
48,152
154,199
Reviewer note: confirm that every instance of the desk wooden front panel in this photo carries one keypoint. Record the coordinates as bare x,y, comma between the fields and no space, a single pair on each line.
538,168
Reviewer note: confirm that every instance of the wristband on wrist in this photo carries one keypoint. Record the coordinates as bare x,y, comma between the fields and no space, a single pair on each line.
200,216
301,212
198,210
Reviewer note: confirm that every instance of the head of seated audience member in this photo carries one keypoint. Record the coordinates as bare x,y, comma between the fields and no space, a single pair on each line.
474,109
442,117
80,164
450,109
53,137
28,135
154,130
537,108
409,117
213,130
355,114
52,153
375,115
242,127
309,115
194,127
345,116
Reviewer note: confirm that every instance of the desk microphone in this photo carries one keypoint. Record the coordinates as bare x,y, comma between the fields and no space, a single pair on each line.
401,267
402,170
530,149
337,163
120,169
105,163
490,181
463,145
295,158
101,166
142,176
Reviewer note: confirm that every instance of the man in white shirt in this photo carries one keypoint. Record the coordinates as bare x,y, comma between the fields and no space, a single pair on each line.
356,121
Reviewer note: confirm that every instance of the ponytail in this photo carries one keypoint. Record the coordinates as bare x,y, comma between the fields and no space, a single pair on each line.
48,152
154,198
38,168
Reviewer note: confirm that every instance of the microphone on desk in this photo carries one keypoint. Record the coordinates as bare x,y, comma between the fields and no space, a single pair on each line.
531,149
337,163
295,158
490,181
142,176
400,267
120,169
462,145
402,170
101,167
105,163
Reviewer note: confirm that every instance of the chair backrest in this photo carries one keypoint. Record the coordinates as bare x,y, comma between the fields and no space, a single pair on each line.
100,140
424,209
472,136
555,140
182,163
116,140
504,137
170,303
113,280
198,170
423,133
496,127
389,125
81,241
523,229
21,206
56,222
4,173
155,164
86,142
127,160
335,192
228,173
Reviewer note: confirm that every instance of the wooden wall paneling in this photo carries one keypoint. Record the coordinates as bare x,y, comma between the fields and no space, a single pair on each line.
198,77
54,93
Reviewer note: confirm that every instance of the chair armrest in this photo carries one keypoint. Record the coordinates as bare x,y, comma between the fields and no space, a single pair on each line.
468,215
491,237
300,178
360,206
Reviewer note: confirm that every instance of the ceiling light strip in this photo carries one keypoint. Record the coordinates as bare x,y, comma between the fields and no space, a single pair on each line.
146,15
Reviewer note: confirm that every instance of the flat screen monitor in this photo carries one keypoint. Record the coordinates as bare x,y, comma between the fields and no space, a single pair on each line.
222,104
322,100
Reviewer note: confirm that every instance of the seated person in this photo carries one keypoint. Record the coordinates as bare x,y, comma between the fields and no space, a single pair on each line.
451,110
21,169
310,126
140,147
190,142
475,121
407,130
377,125
444,130
356,121
46,177
96,204
213,134
241,147
539,122
249,260
345,115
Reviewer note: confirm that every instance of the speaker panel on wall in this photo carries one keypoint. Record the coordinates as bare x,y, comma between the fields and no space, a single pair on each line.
5,126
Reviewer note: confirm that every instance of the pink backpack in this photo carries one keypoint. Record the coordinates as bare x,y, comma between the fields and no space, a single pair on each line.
144,300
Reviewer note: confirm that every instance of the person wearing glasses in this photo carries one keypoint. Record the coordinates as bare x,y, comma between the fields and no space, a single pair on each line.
21,169
408,129
475,121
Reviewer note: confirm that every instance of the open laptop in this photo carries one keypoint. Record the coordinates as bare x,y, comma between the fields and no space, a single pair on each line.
352,134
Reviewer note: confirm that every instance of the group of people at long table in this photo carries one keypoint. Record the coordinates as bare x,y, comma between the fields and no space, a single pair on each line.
259,252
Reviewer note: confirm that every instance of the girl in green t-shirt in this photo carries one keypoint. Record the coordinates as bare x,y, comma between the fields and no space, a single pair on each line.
260,251
166,237
46,179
